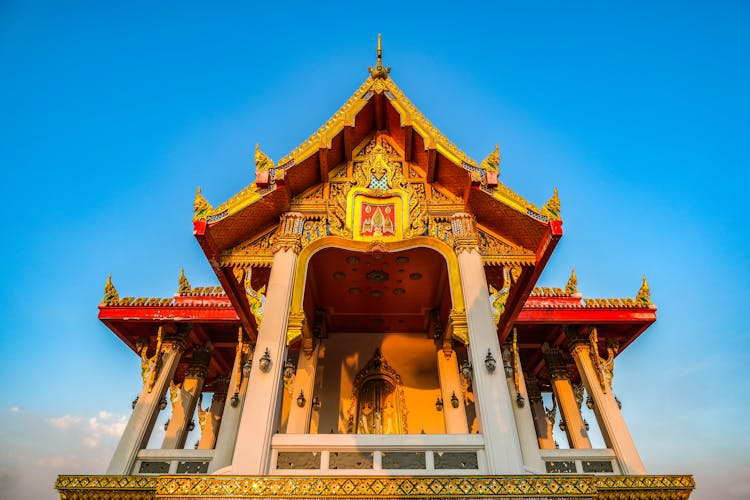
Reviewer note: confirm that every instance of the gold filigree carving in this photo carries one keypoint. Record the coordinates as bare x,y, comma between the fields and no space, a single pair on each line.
440,228
111,296
313,229
498,298
255,298
546,291
464,233
150,366
458,327
604,367
288,235
337,209
494,251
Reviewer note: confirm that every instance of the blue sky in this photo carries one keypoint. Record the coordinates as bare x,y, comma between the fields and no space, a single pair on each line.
111,116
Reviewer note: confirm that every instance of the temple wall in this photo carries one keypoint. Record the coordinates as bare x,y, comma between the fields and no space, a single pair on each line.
412,356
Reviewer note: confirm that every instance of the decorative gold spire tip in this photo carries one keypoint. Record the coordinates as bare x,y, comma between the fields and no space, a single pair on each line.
379,71
201,207
184,287
551,209
110,292
262,162
492,162
644,294
572,286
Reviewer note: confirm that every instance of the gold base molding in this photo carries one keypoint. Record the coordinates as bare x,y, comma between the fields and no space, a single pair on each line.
395,487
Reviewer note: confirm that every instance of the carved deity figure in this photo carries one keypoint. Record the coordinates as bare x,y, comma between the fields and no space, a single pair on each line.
364,419
389,418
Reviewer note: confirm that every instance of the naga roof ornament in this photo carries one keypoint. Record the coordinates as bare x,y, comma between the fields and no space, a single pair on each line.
201,207
492,162
262,161
184,287
551,209
110,292
644,294
572,286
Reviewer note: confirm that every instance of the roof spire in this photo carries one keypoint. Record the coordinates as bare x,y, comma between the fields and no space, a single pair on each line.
201,207
492,162
262,161
379,71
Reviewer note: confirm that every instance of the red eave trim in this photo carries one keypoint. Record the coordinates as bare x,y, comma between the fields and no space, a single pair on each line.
517,301
585,315
168,313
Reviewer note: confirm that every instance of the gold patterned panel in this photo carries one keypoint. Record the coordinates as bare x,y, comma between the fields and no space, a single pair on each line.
550,486
498,252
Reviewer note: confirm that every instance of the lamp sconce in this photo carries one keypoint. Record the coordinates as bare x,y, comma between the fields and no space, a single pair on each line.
619,403
489,362
247,367
439,404
265,361
586,425
508,369
589,403
563,427
166,424
301,399
520,401
162,403
316,403
135,402
235,400
454,400
289,370
466,369
191,426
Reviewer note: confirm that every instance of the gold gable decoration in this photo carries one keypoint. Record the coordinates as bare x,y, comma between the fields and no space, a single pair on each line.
377,177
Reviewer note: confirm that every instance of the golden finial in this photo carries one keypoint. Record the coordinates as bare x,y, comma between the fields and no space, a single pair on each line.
201,207
551,209
644,294
110,293
184,287
262,162
572,286
492,162
379,71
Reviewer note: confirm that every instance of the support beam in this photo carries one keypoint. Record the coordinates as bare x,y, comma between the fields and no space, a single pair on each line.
571,414
450,384
210,419
304,384
184,397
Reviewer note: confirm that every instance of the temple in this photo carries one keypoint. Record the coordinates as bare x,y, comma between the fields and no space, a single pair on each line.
378,332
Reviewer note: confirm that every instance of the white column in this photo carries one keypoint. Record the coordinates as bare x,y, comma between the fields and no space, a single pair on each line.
608,415
574,427
493,403
532,459
304,382
230,418
541,423
210,420
184,398
142,420
260,414
450,383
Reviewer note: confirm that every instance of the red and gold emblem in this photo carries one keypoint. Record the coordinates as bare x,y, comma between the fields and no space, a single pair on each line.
377,220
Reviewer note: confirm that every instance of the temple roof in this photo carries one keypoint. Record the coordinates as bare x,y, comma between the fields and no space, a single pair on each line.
377,105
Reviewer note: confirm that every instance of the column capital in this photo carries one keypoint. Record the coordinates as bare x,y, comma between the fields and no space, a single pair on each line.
464,232
556,366
532,388
289,234
199,363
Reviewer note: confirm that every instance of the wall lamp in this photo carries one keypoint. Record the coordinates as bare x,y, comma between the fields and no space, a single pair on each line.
489,362
301,399
265,361
454,400
439,404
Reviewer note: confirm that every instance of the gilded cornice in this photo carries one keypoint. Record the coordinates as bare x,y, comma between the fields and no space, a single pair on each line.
496,251
197,292
642,299
550,486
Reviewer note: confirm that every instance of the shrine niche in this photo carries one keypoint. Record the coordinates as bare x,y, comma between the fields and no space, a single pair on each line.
378,405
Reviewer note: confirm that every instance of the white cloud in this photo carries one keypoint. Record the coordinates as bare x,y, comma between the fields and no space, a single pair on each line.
65,422
14,409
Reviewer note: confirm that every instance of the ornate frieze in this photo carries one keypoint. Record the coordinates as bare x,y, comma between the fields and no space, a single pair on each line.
600,487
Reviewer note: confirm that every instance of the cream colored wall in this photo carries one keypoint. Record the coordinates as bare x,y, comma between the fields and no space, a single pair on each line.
413,358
